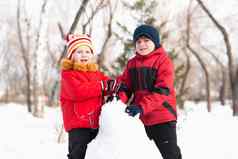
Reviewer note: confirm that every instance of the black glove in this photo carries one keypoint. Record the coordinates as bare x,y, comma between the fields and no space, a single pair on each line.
110,86
111,97
132,110
120,87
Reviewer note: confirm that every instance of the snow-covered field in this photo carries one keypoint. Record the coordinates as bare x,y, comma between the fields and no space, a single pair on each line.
201,135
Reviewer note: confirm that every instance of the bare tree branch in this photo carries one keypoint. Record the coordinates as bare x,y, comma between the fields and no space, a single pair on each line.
232,69
94,12
102,55
188,31
73,26
78,15
223,70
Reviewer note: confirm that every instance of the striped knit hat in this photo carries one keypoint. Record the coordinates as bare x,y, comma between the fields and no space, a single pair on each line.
74,41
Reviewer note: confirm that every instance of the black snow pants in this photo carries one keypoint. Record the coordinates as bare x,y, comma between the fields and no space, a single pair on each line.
165,137
78,141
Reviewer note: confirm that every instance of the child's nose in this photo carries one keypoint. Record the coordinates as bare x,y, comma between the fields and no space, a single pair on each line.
142,43
84,53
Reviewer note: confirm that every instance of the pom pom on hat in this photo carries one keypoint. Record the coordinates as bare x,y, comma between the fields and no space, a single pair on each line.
75,41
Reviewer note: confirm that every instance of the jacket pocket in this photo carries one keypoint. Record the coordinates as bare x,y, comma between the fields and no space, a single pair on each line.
78,113
86,115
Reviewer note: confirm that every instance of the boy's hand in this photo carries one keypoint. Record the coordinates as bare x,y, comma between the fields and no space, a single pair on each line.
132,110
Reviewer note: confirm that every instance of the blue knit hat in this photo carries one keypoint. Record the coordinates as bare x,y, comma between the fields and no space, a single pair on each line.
149,32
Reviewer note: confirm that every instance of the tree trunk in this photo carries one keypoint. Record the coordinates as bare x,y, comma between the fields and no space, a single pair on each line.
188,31
61,136
185,76
222,88
24,55
208,96
235,98
28,91
6,96
38,92
53,93
232,69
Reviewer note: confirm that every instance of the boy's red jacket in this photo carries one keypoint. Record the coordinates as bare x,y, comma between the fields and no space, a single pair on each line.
81,96
151,79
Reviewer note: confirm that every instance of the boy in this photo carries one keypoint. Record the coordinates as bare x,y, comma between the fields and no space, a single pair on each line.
150,77
82,90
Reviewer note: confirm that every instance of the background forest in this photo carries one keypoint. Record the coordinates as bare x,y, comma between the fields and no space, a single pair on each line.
199,36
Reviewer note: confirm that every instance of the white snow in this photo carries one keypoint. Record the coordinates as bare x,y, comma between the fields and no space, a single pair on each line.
200,134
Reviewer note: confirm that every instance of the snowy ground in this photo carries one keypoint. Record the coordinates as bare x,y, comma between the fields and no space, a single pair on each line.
201,135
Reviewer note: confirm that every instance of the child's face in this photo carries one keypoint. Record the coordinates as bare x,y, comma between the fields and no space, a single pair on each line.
144,46
83,55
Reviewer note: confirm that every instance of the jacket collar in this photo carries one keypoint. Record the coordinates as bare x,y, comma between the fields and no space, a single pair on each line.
67,64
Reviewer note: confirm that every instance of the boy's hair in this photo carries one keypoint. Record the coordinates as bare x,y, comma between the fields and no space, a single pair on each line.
149,32
75,41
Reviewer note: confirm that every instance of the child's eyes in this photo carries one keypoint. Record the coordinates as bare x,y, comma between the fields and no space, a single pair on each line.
80,52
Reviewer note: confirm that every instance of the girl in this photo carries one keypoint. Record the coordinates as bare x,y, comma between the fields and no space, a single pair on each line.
82,92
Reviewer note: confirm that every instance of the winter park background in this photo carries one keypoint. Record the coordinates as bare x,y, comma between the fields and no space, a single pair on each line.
200,37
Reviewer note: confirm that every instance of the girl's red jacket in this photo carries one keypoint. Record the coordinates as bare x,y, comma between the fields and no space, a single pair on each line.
151,79
81,95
